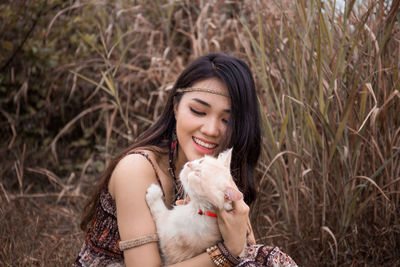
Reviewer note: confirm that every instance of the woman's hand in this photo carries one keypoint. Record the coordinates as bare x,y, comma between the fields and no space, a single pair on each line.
233,226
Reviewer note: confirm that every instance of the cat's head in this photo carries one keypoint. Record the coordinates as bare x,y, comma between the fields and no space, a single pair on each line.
208,180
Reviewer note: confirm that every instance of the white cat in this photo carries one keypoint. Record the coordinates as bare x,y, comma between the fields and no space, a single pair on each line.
187,230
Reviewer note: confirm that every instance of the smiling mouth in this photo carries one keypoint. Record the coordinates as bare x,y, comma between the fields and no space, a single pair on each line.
204,144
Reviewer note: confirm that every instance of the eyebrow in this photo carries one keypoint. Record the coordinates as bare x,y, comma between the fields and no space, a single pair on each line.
208,105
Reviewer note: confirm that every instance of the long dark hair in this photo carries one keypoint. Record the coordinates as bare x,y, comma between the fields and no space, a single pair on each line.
244,133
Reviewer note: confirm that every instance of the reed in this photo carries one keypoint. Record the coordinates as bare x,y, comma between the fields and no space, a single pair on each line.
80,81
330,84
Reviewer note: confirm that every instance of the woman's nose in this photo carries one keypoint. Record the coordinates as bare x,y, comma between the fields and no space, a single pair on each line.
211,127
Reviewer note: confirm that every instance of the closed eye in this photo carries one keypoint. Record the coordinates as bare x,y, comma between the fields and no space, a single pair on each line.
197,112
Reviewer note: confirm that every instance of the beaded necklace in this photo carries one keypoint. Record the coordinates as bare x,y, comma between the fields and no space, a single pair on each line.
173,153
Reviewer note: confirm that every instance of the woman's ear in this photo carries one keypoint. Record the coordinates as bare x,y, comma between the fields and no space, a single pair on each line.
176,106
175,110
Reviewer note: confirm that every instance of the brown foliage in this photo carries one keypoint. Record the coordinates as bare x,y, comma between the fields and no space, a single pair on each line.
80,80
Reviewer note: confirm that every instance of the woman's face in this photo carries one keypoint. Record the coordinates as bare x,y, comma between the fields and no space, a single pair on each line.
202,120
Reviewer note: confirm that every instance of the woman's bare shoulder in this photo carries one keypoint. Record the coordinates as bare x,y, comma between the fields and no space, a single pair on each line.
135,169
129,181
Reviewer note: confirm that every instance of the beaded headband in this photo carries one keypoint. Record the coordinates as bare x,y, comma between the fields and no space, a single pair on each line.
200,89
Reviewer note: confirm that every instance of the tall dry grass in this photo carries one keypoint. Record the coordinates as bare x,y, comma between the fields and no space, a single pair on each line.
331,94
83,79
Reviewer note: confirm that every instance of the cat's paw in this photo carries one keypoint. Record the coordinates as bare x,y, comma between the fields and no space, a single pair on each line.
153,193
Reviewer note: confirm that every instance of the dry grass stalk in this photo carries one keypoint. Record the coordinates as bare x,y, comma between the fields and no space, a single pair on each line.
328,87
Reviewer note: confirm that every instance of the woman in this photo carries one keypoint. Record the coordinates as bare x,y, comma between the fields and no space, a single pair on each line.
212,106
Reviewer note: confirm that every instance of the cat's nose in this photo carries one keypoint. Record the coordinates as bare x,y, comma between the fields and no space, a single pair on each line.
189,165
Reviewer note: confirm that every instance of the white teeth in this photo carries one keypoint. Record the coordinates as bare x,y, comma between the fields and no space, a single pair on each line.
207,145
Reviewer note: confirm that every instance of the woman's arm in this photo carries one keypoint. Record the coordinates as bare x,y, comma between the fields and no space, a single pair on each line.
128,184
233,226
251,240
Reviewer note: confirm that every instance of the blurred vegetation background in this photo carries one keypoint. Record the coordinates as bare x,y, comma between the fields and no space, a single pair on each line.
79,80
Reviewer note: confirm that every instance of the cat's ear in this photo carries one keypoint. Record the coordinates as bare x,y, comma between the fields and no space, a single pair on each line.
233,194
225,157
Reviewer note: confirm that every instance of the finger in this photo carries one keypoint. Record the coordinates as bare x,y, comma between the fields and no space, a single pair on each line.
180,202
233,194
240,207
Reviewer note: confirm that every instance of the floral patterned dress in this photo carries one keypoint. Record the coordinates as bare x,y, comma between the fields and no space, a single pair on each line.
100,247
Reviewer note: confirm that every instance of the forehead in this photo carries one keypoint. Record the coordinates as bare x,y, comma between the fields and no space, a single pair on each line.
214,100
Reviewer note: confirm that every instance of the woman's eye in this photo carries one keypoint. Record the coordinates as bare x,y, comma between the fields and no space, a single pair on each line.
197,112
225,121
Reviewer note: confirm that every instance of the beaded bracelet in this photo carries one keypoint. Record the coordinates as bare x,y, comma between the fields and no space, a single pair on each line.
217,258
227,254
221,256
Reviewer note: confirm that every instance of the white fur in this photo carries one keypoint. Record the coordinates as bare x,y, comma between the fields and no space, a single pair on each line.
182,231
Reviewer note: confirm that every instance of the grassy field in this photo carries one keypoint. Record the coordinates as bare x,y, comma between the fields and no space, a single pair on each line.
79,80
